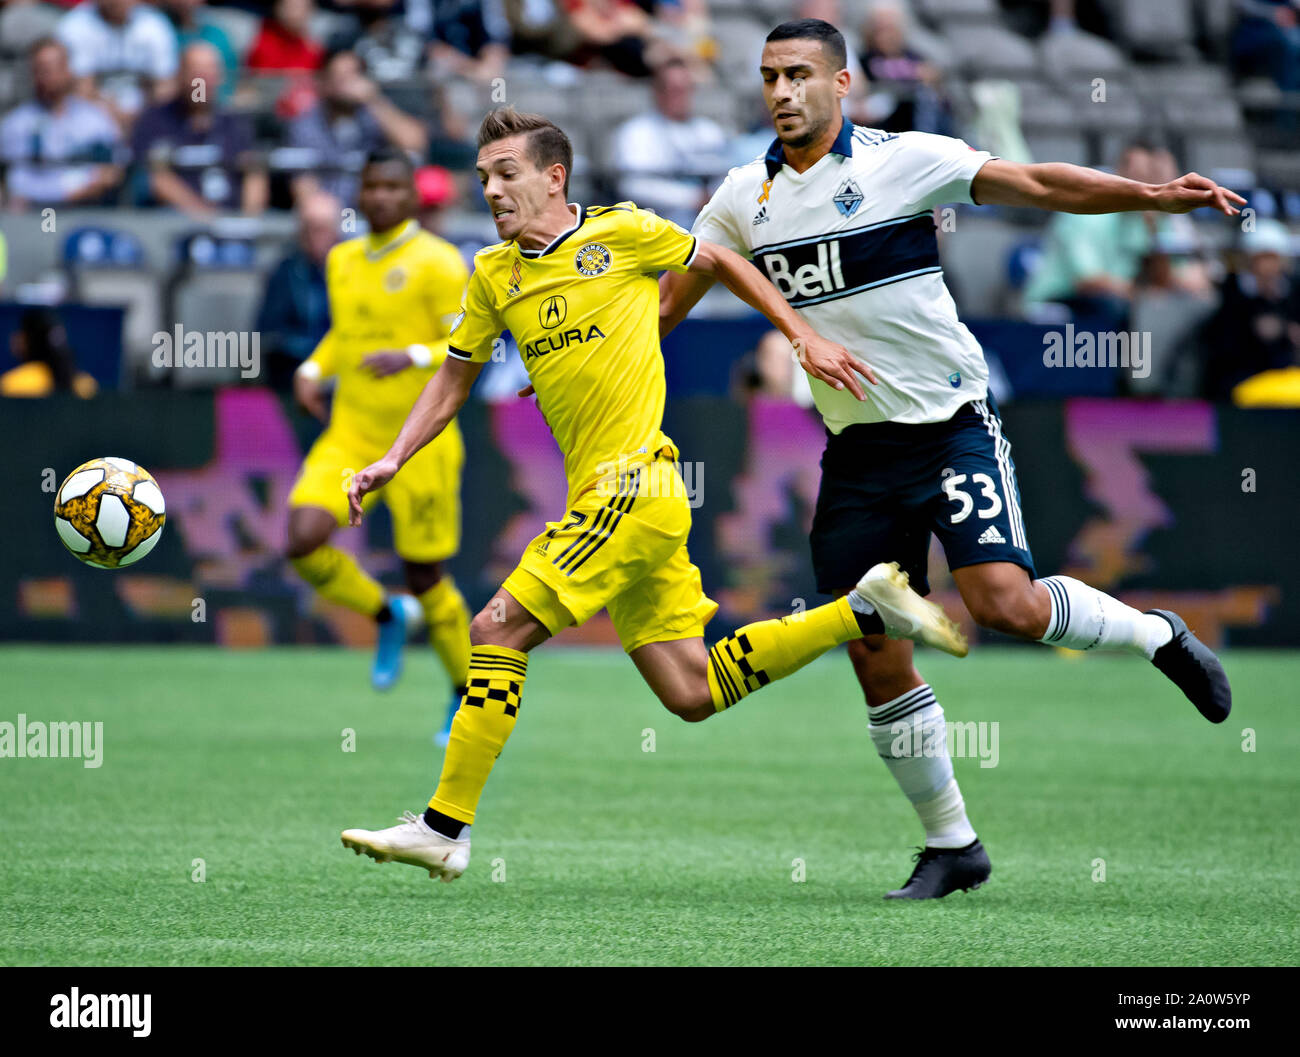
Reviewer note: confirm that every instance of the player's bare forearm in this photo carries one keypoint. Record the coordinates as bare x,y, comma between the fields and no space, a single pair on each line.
439,402
751,286
1075,189
678,294
824,360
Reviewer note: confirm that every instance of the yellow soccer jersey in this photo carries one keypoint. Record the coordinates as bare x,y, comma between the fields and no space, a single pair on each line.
386,292
584,312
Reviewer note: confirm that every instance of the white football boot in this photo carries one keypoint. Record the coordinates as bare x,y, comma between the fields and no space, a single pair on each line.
413,843
905,614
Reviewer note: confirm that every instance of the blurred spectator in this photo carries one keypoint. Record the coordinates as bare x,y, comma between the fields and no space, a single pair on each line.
284,42
1092,262
686,27
1032,18
191,21
123,52
199,156
756,137
1257,326
471,38
666,159
295,312
772,371
541,27
59,147
617,31
903,89
388,47
1267,41
437,191
440,194
46,364
1175,261
350,119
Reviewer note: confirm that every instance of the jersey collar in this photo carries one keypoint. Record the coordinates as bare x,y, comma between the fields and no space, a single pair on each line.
555,242
403,235
843,146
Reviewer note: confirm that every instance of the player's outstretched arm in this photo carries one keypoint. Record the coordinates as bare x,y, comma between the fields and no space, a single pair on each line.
441,398
678,294
823,359
1075,189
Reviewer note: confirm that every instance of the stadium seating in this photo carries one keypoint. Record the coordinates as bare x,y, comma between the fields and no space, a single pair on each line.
1155,29
110,267
216,290
1162,75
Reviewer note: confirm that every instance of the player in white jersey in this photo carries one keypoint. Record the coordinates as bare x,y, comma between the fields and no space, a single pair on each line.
839,218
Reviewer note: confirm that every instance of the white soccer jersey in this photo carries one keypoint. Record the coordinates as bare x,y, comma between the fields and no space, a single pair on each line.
850,243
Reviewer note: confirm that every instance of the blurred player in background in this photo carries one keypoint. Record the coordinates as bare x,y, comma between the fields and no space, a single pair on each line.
393,295
841,220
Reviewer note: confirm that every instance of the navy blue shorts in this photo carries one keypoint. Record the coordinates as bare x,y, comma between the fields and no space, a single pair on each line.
886,486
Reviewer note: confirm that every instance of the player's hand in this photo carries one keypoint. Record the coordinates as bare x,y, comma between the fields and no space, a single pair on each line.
527,390
385,362
310,395
832,363
374,476
1194,191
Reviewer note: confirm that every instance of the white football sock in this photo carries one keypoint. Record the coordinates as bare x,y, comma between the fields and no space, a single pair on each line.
911,736
1084,618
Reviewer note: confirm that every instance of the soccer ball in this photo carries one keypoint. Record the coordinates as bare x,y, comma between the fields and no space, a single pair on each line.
109,512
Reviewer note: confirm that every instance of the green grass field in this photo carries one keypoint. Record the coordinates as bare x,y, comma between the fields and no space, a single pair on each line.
589,850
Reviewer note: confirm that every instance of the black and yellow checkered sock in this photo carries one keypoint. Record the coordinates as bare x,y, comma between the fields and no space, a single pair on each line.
483,723
760,653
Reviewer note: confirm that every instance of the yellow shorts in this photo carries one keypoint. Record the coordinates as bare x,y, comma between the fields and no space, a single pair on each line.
621,549
423,499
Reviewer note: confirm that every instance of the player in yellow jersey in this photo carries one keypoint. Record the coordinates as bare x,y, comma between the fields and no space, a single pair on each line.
393,295
577,287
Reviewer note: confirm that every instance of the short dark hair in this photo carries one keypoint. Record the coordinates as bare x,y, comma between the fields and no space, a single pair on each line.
41,43
1143,142
831,39
390,155
547,143
335,53
673,62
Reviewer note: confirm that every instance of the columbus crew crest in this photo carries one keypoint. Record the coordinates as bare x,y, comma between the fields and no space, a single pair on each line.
593,259
395,279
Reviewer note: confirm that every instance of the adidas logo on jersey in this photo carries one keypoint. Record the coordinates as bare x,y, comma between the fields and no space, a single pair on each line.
992,535
761,217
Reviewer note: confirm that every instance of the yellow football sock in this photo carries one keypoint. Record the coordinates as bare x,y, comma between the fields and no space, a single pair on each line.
759,653
337,577
483,723
447,616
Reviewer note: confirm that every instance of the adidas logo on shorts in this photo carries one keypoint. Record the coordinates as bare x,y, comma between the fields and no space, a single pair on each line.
992,535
